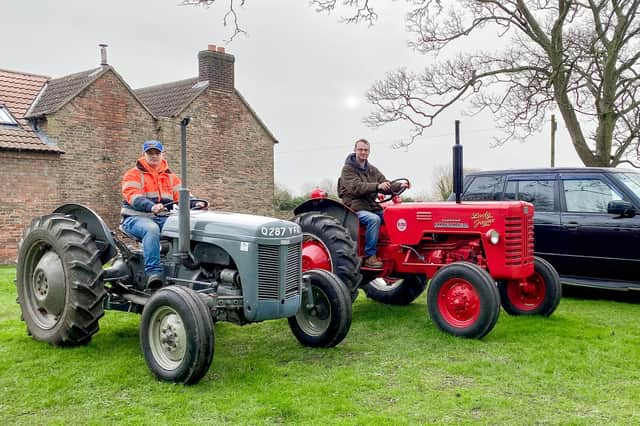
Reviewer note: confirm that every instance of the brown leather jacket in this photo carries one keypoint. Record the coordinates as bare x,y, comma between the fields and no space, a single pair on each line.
358,186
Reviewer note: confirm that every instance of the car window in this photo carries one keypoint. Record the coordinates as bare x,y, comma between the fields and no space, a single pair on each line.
484,188
631,181
588,195
538,192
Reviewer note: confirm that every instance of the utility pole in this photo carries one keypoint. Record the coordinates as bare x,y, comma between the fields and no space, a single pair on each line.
554,127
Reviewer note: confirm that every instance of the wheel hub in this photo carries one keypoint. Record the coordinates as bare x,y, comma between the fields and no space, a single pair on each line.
172,337
314,320
459,302
48,285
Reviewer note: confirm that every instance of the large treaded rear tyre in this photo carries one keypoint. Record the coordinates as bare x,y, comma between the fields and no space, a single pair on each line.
539,294
398,290
327,245
327,321
177,335
59,281
463,300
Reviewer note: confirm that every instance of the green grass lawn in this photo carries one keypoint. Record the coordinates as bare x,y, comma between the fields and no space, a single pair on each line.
581,366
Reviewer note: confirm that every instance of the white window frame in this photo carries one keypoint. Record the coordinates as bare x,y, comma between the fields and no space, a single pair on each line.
6,117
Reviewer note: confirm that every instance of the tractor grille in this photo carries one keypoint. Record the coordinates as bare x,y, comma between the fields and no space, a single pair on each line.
518,240
424,216
279,267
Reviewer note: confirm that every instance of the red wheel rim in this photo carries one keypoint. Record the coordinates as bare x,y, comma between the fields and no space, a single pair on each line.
315,255
527,294
459,303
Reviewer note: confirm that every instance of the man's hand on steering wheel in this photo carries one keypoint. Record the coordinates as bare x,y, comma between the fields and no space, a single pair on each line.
395,188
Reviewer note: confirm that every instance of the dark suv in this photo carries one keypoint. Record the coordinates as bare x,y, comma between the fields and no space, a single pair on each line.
584,222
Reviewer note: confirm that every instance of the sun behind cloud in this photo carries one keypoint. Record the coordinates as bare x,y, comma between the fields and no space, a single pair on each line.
351,102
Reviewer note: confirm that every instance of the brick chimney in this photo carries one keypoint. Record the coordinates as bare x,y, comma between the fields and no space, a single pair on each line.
216,66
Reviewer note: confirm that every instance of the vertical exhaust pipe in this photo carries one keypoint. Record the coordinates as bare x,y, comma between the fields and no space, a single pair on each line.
184,224
457,164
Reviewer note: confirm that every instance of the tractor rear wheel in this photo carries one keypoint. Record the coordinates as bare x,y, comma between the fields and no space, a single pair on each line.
177,335
463,300
59,281
325,322
400,290
327,245
538,294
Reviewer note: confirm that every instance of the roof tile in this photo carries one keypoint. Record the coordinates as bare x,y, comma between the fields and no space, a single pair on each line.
168,100
18,91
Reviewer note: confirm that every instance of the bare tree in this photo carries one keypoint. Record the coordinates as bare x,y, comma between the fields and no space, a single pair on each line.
580,57
443,178
577,56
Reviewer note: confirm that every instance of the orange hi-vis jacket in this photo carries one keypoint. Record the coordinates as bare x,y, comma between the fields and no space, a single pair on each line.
143,186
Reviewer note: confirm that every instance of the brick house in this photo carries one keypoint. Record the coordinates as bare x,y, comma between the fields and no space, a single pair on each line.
71,139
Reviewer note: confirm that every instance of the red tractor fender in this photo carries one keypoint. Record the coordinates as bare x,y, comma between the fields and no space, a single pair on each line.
341,213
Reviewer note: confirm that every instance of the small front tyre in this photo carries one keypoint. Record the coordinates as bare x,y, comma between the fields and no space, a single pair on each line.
326,321
177,335
463,300
538,294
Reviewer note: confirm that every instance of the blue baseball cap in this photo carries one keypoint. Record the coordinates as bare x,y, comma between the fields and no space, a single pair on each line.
152,145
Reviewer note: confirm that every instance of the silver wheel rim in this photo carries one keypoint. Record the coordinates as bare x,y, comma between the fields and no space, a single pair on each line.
382,284
167,338
45,291
315,321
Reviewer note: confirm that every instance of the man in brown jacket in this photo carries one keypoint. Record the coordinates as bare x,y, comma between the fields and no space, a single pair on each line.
358,186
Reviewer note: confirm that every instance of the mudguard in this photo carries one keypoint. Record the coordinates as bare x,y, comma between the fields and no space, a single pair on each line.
95,225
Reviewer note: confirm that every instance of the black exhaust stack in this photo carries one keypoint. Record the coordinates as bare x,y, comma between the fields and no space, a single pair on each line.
457,164
184,225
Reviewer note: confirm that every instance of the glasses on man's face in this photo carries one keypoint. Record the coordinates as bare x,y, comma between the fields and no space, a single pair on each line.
153,152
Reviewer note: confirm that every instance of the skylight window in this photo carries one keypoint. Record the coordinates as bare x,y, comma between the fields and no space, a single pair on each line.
6,117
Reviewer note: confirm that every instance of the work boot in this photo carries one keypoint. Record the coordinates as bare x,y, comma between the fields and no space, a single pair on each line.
155,280
372,262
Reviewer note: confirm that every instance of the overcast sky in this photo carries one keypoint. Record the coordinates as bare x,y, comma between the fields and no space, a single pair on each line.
304,73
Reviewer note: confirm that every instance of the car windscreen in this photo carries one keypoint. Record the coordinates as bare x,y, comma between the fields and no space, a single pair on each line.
631,181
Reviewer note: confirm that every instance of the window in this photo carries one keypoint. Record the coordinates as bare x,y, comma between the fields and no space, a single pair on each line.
588,195
6,117
484,188
538,192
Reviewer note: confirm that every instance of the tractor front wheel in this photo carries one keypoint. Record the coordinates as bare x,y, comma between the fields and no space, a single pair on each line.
538,294
463,300
400,290
327,245
59,281
324,317
177,335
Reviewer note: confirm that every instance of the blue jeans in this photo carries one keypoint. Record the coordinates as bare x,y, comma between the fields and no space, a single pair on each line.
372,221
147,229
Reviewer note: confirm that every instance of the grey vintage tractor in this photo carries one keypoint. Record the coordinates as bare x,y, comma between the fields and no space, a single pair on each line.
219,267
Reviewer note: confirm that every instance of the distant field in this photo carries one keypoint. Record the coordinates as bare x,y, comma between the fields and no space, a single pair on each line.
578,367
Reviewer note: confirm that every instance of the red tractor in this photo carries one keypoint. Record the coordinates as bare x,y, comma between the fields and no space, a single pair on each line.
477,256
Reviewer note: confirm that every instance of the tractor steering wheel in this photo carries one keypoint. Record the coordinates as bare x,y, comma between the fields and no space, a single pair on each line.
395,183
166,211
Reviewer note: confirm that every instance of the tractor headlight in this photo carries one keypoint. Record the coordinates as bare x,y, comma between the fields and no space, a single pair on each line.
493,236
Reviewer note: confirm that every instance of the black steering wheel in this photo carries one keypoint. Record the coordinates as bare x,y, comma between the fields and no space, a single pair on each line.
396,183
171,203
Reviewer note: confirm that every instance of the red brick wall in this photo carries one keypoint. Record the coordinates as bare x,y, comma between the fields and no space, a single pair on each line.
30,181
230,155
101,131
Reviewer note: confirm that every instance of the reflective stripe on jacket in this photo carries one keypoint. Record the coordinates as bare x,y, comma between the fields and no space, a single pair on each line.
142,187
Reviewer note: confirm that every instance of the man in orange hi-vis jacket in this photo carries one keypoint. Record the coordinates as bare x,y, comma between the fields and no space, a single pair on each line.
149,189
